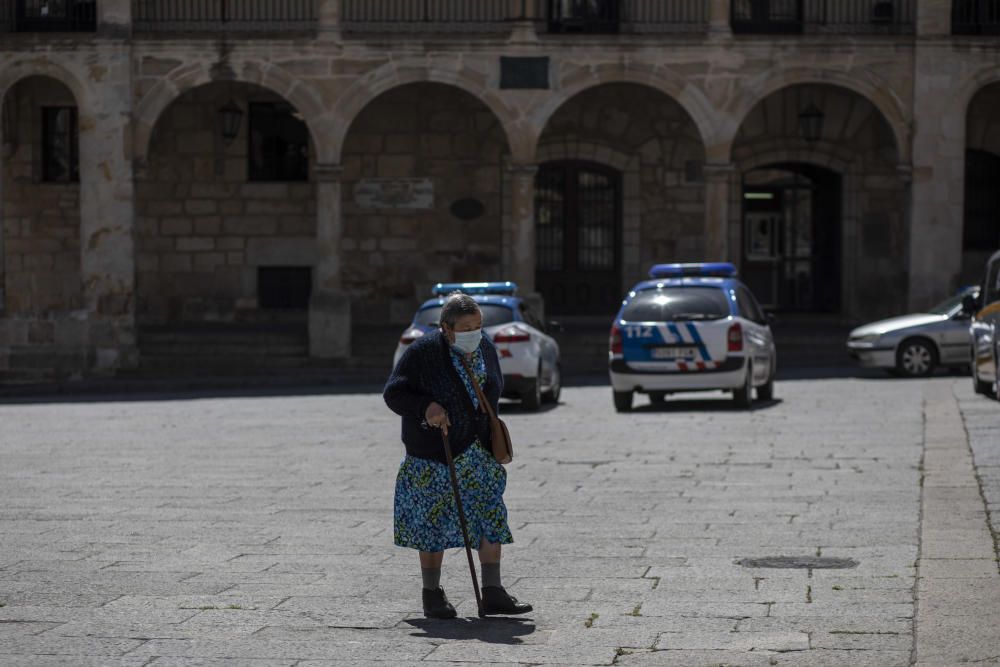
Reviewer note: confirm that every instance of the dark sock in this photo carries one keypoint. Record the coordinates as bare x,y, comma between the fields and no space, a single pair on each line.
432,577
491,574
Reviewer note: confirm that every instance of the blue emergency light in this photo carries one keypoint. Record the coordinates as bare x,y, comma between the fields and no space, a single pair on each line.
503,288
701,270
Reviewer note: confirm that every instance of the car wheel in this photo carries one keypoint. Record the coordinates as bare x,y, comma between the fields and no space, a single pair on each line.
980,386
623,401
555,386
916,358
743,397
657,396
532,397
766,391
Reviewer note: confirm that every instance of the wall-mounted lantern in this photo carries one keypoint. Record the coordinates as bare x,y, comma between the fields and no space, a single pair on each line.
811,123
230,117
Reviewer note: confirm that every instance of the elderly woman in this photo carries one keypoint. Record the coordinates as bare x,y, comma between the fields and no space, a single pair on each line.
431,390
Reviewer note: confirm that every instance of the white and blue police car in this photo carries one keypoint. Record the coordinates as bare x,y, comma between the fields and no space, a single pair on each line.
692,327
529,358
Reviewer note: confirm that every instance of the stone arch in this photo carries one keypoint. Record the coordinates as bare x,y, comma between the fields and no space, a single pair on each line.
394,75
768,84
965,93
691,99
45,67
266,75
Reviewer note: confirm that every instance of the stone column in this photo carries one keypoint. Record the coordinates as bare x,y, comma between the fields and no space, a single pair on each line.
933,18
328,14
522,215
718,17
937,189
107,215
329,306
114,18
718,177
522,14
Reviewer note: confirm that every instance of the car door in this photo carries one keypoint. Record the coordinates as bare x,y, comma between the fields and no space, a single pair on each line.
953,337
758,334
548,349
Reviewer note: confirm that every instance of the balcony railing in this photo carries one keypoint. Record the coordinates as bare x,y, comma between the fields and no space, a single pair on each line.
459,16
182,16
975,17
48,15
856,17
552,16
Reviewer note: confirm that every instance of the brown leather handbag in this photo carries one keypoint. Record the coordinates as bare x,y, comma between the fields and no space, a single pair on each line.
503,448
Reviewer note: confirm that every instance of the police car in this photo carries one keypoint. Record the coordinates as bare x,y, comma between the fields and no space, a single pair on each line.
693,327
529,358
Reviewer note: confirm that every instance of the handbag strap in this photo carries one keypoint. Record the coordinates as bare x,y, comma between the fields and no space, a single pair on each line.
484,404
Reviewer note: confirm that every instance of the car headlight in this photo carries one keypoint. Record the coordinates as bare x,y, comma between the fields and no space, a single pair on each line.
867,339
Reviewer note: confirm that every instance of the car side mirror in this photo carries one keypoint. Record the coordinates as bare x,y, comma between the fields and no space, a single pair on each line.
552,325
770,319
970,305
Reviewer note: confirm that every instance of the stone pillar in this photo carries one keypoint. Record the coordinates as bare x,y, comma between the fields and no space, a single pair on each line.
522,215
329,305
107,214
328,14
114,18
523,15
937,189
718,17
933,18
718,179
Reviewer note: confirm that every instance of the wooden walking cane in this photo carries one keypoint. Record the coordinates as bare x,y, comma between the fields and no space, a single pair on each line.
461,521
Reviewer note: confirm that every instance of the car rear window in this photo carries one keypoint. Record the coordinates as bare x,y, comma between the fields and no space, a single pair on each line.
492,315
677,303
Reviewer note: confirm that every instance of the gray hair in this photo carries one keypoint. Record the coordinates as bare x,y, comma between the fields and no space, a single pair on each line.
458,304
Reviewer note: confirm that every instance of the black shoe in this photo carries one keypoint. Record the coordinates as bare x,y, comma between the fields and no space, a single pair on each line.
436,604
496,600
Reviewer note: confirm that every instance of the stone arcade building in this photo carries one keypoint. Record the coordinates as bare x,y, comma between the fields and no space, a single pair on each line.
215,167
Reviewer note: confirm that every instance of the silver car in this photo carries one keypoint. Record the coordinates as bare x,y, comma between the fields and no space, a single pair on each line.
914,345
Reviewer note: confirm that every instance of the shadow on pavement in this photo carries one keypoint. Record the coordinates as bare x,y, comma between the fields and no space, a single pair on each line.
490,630
722,403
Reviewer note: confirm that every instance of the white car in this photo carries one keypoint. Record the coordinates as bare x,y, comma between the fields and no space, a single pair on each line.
529,358
693,327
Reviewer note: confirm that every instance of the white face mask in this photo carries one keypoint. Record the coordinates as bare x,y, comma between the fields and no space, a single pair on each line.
468,341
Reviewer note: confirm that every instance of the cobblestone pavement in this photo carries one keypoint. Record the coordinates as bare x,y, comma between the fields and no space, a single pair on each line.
257,531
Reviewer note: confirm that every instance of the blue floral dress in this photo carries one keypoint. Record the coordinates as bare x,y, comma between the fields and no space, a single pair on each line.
426,517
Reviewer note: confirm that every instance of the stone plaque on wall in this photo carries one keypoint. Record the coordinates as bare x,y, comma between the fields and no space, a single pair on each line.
394,193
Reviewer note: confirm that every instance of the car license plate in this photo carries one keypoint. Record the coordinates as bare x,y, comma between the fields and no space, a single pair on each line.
674,352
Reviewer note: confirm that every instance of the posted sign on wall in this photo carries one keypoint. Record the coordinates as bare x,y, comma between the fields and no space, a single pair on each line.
412,193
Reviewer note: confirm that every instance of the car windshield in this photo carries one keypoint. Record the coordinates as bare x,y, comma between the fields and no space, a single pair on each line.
492,315
947,306
677,303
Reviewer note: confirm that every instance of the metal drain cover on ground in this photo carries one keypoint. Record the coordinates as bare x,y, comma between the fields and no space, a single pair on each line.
800,562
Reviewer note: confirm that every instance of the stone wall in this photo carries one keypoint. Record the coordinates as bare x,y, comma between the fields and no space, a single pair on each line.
393,256
42,286
202,227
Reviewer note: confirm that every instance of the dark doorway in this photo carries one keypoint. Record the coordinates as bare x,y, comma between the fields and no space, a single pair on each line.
791,237
982,201
578,237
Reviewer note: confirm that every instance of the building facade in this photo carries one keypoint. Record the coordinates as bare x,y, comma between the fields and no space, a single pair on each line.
320,164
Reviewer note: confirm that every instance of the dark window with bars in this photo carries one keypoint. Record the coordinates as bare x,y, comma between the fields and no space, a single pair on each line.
279,143
60,145
982,201
550,224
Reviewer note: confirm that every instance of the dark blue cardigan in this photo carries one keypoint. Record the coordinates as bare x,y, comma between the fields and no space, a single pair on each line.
426,374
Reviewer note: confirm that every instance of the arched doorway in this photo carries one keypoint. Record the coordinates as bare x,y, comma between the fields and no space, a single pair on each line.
791,236
578,208
823,209
981,210
619,188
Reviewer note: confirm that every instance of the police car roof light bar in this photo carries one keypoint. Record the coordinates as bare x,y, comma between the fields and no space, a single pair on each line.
700,270
503,288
